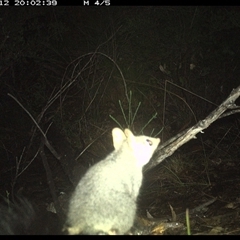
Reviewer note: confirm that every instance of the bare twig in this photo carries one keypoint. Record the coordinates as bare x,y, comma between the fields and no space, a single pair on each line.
19,170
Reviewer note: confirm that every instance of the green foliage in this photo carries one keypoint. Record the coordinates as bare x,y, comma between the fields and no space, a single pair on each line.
188,222
131,115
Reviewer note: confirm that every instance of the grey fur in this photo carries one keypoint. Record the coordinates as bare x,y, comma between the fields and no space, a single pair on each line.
104,200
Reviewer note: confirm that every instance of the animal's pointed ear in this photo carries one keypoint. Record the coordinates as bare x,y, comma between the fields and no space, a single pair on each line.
128,133
118,137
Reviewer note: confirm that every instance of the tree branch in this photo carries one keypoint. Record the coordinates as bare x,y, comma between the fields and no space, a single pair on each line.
169,147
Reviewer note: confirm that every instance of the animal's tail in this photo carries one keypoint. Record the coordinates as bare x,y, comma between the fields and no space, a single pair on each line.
22,218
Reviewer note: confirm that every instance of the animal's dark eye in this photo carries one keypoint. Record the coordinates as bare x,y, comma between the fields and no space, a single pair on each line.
149,142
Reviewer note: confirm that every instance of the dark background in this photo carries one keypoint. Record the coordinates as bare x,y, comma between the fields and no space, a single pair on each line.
70,66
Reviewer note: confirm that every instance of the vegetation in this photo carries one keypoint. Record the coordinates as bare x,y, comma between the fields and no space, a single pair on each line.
86,70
